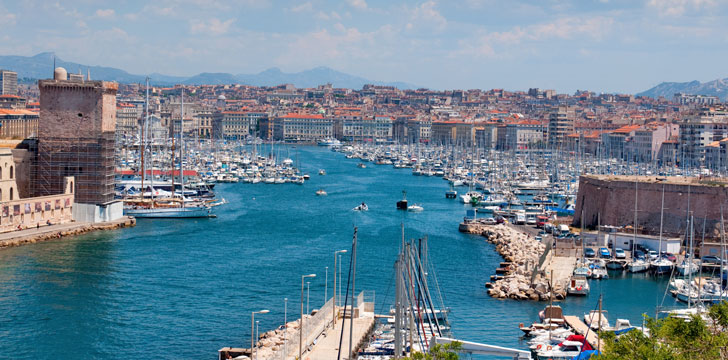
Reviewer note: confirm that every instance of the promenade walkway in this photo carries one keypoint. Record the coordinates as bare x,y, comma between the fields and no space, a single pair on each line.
47,232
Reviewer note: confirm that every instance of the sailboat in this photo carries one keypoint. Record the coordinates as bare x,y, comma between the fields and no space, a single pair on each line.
175,207
661,265
637,265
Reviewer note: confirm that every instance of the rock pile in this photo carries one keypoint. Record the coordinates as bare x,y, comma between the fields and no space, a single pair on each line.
522,252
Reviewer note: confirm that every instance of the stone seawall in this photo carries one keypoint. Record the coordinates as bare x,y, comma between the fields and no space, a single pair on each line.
45,233
522,252
612,199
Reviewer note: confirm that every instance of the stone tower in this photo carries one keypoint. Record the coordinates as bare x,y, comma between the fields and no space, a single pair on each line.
76,138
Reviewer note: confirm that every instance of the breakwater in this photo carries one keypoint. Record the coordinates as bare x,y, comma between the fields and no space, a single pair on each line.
523,273
45,233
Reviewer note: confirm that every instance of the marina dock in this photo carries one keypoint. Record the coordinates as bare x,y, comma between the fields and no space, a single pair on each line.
326,346
582,329
320,334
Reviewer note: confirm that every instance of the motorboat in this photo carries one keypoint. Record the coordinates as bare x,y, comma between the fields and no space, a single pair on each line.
451,194
322,172
321,192
361,166
415,208
615,264
362,207
567,350
592,319
599,272
578,286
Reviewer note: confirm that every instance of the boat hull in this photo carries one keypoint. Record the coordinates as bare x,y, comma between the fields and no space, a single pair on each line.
171,213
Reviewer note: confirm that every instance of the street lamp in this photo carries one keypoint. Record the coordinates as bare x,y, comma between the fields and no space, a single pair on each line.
256,334
252,329
333,310
300,328
285,327
326,286
308,295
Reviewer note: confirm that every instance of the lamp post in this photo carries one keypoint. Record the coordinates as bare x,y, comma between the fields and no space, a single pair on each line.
285,327
300,328
333,310
252,329
256,334
326,286
308,296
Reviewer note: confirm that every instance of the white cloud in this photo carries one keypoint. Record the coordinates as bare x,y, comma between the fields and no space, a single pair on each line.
679,7
426,16
213,26
7,19
489,44
305,7
358,4
104,13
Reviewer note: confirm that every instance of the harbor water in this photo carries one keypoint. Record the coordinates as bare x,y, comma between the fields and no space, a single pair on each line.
182,289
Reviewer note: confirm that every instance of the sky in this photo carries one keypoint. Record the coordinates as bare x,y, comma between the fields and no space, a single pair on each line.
567,45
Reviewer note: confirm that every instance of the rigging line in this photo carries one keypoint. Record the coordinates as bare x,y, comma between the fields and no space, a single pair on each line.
386,294
346,301
423,290
410,307
426,293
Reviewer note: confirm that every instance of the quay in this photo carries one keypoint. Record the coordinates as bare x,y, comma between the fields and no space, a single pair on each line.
582,329
321,334
50,232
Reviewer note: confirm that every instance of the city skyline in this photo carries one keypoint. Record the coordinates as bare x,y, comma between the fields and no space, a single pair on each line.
603,46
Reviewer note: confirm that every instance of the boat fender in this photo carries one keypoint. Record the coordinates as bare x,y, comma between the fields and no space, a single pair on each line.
538,347
548,348
578,288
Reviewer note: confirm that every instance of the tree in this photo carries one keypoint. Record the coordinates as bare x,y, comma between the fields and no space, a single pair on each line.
439,352
673,338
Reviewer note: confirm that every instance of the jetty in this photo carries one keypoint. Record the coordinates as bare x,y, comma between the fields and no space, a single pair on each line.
532,269
50,232
321,334
582,329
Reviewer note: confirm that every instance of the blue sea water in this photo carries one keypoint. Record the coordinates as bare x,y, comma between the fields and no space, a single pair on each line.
182,289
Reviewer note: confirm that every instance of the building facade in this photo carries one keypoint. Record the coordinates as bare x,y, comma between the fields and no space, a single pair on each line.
8,82
561,124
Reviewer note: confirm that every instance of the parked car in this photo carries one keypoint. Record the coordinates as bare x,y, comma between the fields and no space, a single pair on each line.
489,221
639,254
710,259
538,238
641,248
604,253
668,256
499,219
543,233
619,253
531,221
652,254
590,253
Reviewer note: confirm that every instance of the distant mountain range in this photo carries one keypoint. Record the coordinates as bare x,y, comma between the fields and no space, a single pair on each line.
718,87
41,67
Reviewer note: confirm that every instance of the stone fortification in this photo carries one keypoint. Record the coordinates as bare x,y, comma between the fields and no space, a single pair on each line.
612,198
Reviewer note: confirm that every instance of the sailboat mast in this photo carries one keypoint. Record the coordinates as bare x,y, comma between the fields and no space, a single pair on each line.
662,212
142,143
181,145
634,225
